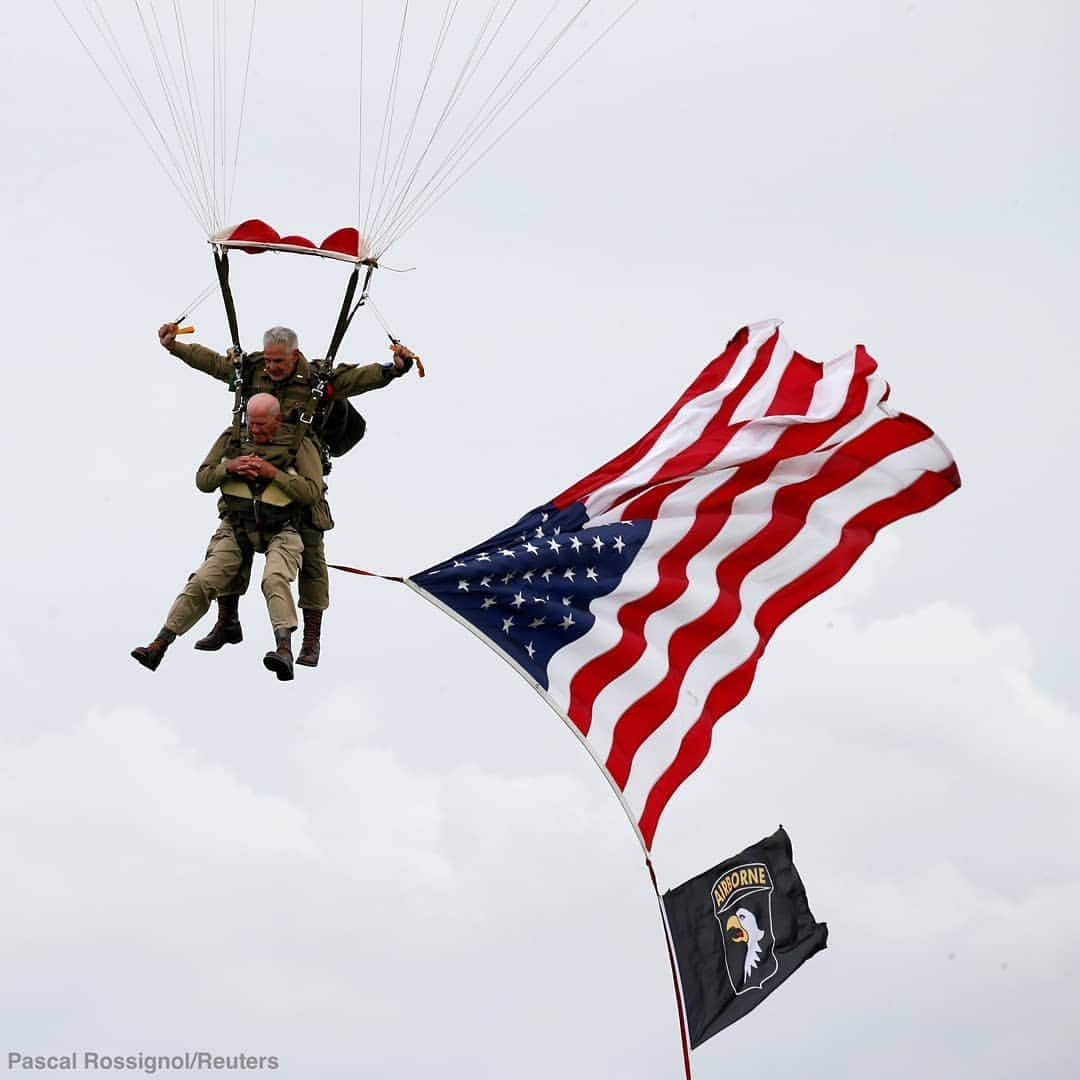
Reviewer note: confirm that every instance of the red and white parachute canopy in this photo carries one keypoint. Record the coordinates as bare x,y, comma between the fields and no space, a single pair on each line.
256,236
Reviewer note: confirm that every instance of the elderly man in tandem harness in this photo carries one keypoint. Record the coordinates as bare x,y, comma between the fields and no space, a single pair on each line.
265,482
314,401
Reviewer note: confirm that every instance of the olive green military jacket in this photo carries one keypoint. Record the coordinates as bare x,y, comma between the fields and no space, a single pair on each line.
347,380
303,487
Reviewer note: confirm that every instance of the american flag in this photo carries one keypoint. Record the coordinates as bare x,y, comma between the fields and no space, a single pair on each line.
639,601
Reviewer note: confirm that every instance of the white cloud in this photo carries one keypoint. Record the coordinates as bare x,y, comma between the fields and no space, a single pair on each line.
401,863
929,787
328,912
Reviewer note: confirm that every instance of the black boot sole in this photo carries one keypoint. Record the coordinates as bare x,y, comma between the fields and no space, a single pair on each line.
278,665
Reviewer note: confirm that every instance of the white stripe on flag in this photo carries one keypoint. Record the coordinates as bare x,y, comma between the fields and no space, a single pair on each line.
761,395
813,542
750,512
685,428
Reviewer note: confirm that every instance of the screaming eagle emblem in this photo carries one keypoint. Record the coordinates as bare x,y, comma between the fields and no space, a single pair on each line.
742,904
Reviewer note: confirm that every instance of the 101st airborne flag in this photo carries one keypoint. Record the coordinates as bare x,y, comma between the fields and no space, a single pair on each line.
738,931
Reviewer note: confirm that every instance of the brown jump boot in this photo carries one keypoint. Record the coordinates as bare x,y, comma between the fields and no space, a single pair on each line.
150,655
280,661
227,629
309,649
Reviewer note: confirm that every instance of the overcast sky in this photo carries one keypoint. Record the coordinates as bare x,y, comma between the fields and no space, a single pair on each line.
402,864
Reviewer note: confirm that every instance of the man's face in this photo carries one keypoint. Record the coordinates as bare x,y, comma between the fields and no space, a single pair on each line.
262,426
279,361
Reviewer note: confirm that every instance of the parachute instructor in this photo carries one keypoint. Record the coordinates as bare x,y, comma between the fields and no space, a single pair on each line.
283,371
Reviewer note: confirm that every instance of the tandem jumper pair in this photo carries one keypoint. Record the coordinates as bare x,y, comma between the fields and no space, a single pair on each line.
270,471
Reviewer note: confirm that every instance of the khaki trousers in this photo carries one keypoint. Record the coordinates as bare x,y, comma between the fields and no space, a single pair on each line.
314,576
224,557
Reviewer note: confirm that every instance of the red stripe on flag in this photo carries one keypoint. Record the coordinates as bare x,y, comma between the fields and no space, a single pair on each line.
710,518
717,433
858,534
709,379
791,506
793,397
801,376
796,391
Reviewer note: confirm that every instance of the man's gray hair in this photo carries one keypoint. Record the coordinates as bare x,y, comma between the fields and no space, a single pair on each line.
280,335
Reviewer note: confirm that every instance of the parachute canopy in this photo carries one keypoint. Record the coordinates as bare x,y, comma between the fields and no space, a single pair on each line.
256,236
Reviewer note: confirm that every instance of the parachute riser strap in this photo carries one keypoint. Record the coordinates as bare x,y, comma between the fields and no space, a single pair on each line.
348,310
221,264
344,316
323,368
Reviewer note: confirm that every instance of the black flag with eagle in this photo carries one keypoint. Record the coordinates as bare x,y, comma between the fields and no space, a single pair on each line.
738,931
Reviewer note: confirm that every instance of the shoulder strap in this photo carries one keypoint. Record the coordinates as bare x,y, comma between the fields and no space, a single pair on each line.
243,366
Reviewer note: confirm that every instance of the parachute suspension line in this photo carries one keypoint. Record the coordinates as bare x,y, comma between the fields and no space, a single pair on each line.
387,114
198,125
220,114
224,126
216,104
452,182
461,82
186,196
443,179
395,84
167,79
399,160
191,305
193,147
449,159
476,127
217,99
381,321
464,77
240,116
187,134
360,129
393,340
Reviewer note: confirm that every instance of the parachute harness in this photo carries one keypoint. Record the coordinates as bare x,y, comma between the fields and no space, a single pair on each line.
322,388
323,368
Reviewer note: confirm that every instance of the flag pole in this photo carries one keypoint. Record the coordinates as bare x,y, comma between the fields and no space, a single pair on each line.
683,1036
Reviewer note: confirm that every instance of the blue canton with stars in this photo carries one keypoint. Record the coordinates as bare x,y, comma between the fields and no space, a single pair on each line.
528,588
